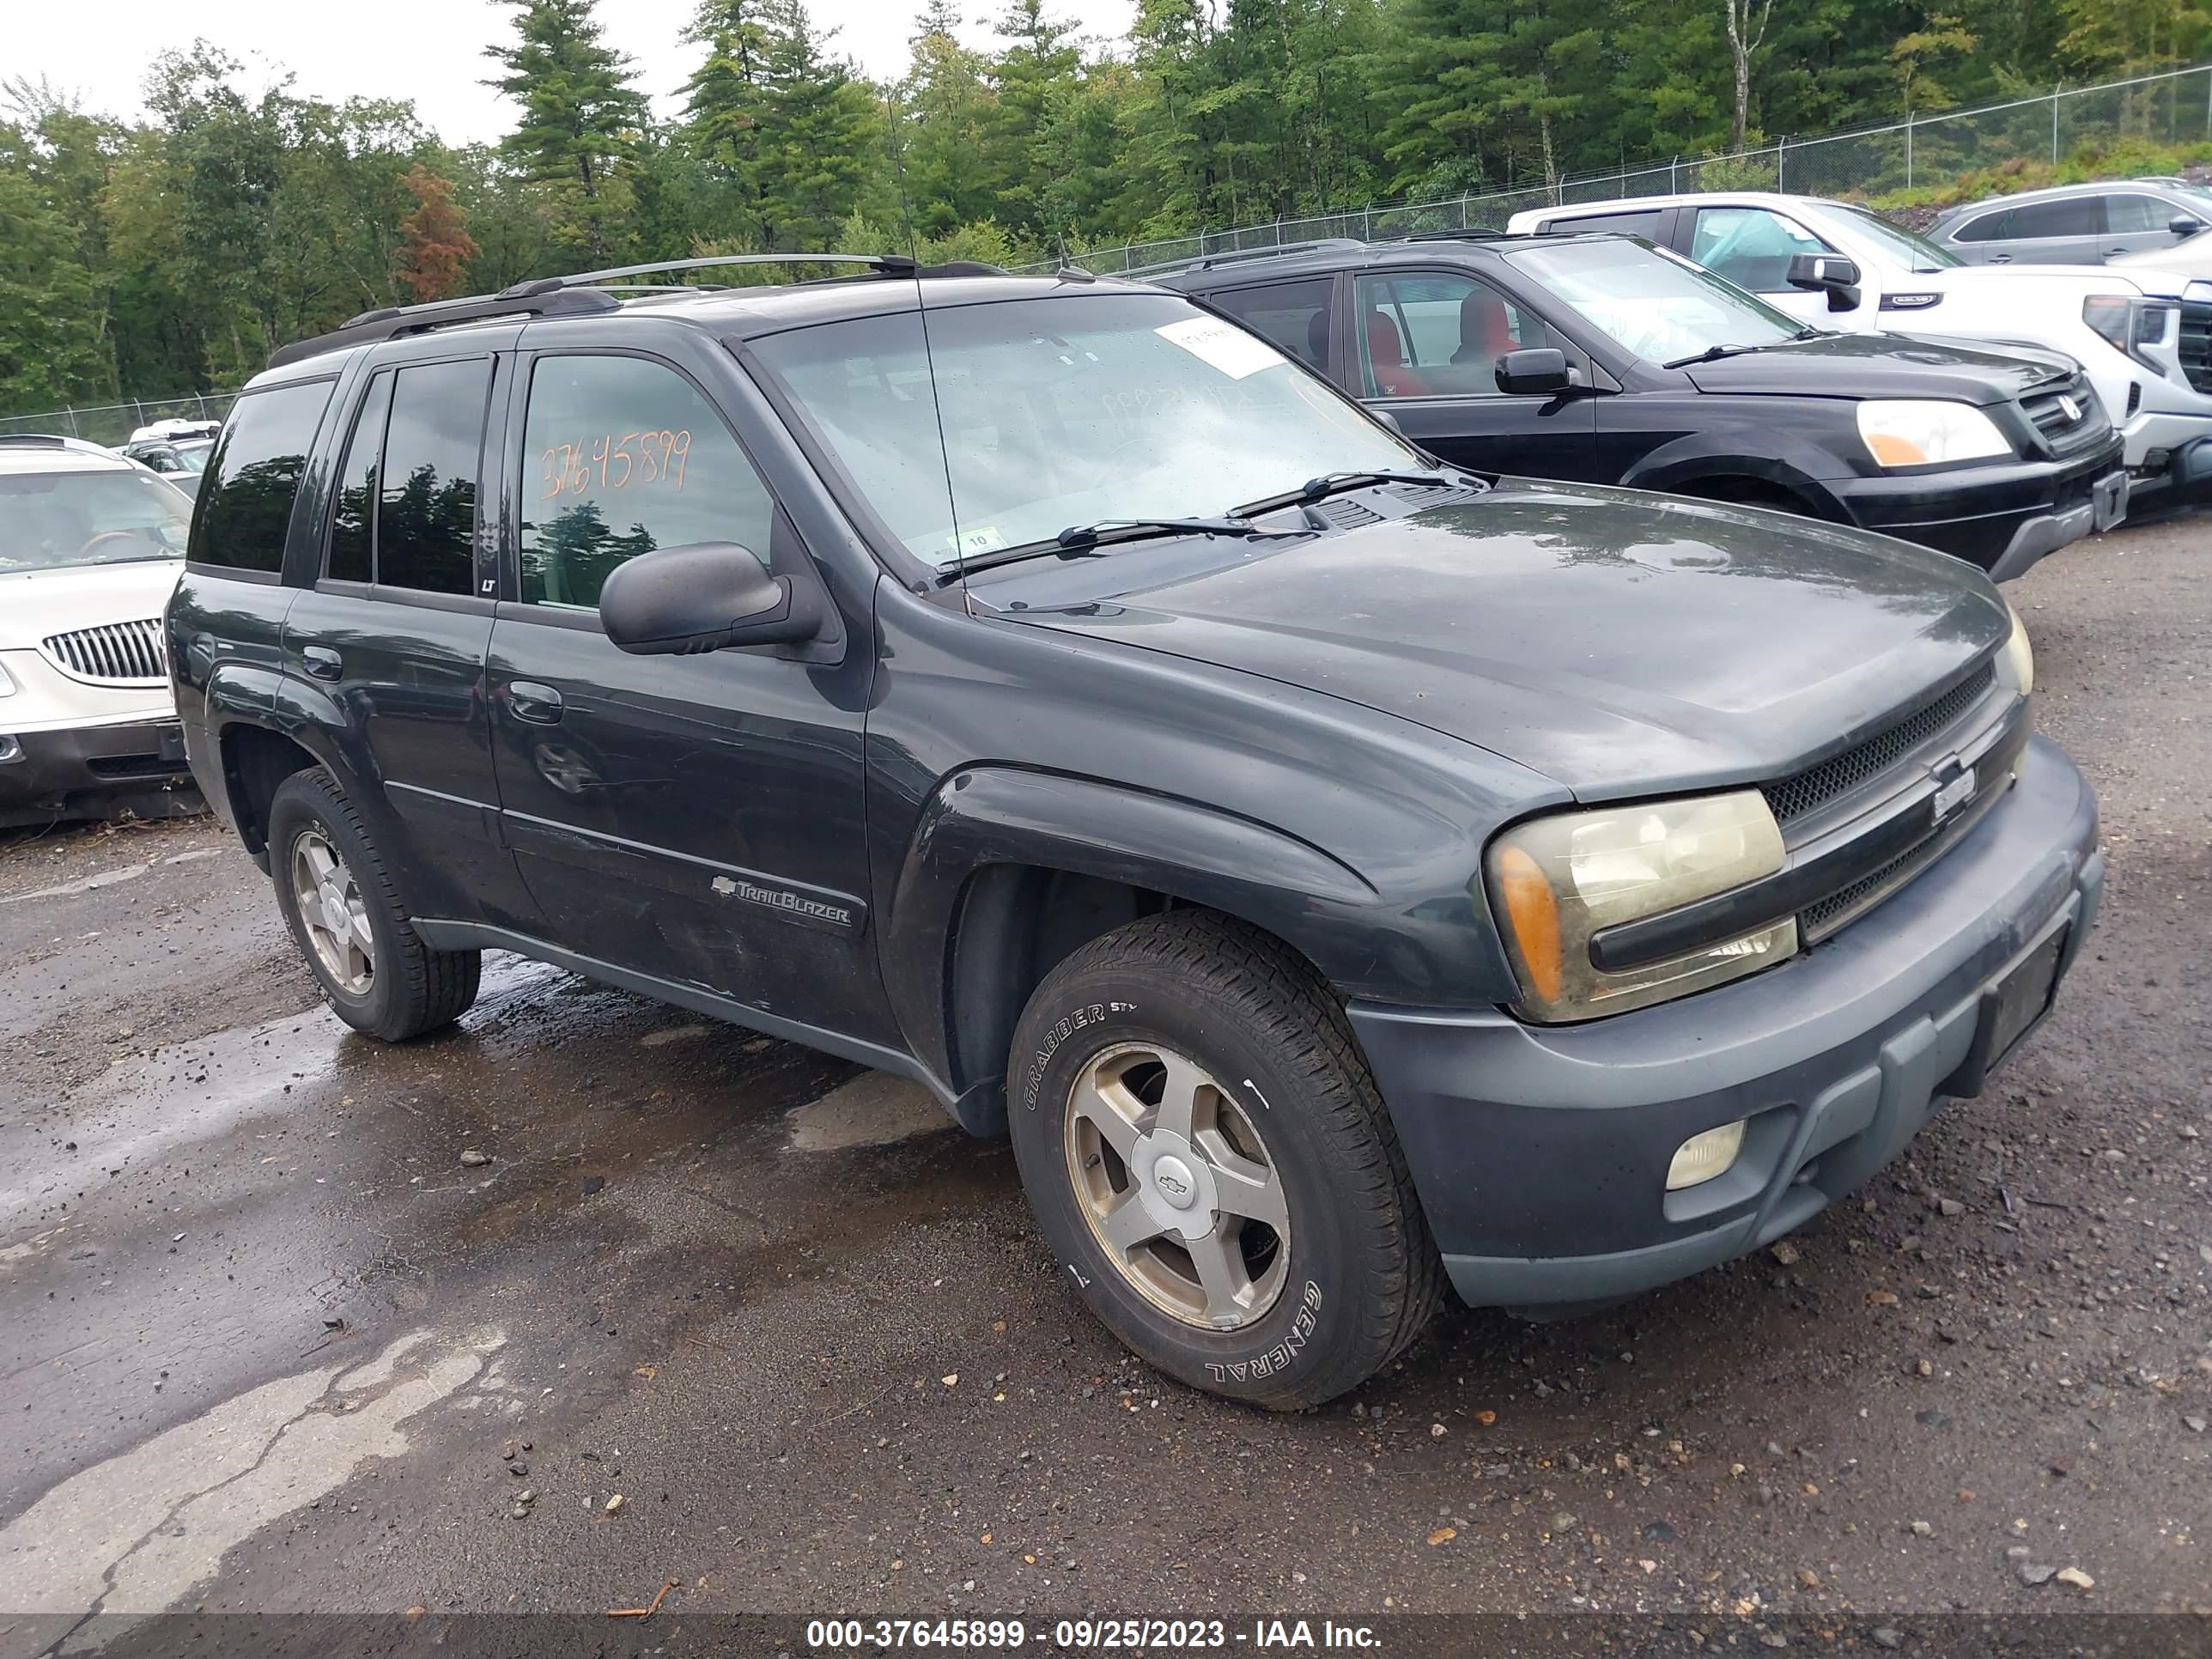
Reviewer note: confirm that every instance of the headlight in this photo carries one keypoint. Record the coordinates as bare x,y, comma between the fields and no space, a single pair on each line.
1555,882
2017,660
2129,325
1928,433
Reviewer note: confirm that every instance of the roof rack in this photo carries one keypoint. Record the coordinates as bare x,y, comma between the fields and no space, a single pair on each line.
1473,233
393,322
1232,256
586,292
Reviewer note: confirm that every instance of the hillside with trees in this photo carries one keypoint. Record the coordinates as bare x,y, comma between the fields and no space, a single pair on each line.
170,254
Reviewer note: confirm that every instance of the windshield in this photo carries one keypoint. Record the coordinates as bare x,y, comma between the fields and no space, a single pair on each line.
1909,247
1064,410
195,456
51,519
1653,304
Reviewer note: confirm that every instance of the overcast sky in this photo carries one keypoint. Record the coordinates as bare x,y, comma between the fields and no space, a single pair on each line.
430,50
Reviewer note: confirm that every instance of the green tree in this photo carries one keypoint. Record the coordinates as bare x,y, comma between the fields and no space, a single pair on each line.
579,116
51,347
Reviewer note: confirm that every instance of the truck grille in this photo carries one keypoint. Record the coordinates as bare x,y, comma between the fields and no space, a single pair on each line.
2048,408
2196,341
1799,797
114,653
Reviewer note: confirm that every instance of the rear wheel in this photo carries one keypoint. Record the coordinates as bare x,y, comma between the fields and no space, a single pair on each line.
346,917
1206,1153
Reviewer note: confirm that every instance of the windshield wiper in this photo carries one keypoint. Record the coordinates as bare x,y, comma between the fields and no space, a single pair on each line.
1332,483
1712,354
1086,541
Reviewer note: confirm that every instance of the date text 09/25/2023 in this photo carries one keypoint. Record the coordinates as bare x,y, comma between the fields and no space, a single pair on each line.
1086,1635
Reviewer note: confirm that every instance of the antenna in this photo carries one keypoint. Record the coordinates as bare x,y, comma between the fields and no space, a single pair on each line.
921,314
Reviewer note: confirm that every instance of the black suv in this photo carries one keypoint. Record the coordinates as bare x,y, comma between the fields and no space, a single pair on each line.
1342,875
1601,358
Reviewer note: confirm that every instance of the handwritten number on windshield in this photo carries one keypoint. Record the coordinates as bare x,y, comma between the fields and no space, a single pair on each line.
609,462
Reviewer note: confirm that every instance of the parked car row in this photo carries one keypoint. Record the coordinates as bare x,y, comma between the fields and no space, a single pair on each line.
1603,359
2142,339
1346,872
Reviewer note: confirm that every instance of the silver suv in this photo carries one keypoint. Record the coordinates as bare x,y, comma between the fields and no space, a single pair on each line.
2075,224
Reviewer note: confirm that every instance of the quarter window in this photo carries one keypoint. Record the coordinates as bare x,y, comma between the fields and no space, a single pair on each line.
1988,227
1292,317
1438,334
1642,222
1751,247
622,456
246,505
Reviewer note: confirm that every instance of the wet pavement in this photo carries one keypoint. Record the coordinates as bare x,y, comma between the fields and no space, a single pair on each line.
290,1321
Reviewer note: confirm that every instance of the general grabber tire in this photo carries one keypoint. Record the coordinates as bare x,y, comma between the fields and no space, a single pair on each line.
345,916
1209,1158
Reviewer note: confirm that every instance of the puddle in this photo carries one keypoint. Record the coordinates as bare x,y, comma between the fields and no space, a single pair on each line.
873,1109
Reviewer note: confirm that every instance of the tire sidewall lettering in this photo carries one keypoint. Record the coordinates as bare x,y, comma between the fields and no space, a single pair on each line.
1089,1014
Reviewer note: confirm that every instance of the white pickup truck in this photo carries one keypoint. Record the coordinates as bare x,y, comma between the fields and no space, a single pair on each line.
2146,348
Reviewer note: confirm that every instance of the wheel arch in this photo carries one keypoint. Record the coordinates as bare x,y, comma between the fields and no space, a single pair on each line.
1011,871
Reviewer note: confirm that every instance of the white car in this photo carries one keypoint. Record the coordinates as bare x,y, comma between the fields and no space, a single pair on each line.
2148,353
90,549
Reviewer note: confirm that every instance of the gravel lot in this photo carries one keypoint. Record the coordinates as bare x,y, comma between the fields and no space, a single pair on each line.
293,1322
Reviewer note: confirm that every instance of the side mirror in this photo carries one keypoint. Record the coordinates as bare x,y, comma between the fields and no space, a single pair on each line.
1533,370
1826,273
703,595
2183,226
1389,420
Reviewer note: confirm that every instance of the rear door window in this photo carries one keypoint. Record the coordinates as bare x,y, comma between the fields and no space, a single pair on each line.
2070,216
246,505
1642,222
1292,317
1986,227
426,489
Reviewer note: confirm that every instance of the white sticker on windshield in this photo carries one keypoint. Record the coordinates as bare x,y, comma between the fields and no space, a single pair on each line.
1224,345
977,538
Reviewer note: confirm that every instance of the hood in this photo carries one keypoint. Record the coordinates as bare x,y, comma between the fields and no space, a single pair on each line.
34,604
1885,366
1621,643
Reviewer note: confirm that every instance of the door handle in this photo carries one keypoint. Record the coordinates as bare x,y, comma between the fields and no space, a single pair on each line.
2114,252
2001,258
321,662
539,704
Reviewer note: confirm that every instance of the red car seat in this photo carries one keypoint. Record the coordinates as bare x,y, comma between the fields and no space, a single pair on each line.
1386,360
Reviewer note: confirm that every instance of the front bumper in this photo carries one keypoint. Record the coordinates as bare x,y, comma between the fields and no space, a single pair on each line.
89,771
1541,1153
2169,454
2003,519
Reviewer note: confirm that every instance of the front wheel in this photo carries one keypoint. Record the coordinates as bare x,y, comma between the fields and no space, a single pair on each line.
1208,1156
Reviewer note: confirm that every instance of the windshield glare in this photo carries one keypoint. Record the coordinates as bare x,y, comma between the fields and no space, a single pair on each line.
1914,249
1651,303
49,520
1064,410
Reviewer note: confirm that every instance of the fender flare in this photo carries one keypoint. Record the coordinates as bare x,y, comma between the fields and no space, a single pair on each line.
986,816
1680,466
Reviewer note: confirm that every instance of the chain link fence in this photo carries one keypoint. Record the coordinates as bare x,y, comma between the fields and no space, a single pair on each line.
113,424
2167,111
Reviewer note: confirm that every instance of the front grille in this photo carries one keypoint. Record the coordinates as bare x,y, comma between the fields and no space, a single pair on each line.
2048,409
2197,343
1795,798
114,653
1816,920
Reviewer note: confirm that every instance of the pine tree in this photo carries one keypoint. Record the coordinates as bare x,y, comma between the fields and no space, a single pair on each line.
579,112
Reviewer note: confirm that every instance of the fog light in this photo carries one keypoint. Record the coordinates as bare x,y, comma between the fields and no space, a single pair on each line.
11,748
1702,1156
